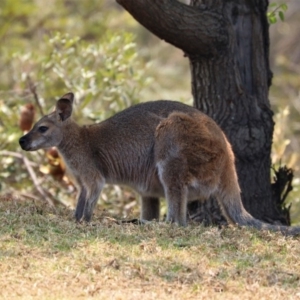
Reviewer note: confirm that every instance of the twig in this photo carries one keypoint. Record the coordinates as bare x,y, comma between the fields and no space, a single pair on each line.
35,182
30,196
17,155
289,180
31,164
32,88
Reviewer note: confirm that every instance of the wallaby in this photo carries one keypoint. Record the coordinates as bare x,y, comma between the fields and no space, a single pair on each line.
160,149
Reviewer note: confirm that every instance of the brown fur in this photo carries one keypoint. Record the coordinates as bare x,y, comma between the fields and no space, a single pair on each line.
160,148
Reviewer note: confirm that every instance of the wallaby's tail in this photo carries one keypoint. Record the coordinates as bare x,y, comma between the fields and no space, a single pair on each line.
234,211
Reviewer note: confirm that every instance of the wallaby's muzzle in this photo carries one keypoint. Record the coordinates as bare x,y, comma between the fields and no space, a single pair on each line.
24,143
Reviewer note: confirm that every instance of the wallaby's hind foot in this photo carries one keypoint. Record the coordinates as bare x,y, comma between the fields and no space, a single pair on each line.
136,222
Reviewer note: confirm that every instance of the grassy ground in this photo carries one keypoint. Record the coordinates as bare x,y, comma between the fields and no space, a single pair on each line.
45,255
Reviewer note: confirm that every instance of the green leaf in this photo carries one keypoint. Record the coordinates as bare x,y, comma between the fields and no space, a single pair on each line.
281,16
272,19
284,7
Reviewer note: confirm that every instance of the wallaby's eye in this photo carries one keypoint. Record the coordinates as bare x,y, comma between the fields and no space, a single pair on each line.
42,129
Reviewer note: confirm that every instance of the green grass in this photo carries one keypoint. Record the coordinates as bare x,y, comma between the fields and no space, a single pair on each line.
46,255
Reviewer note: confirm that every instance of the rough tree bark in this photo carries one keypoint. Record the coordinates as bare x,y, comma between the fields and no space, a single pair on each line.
227,44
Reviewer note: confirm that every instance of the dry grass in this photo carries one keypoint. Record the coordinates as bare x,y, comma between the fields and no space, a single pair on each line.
45,255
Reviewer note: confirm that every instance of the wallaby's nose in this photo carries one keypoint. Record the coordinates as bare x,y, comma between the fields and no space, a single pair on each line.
22,142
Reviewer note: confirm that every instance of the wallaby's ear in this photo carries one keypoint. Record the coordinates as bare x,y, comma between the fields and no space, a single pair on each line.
64,106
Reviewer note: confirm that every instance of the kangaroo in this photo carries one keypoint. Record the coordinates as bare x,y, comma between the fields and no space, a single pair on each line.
160,149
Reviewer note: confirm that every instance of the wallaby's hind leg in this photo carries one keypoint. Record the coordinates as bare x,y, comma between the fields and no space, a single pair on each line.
150,208
172,175
177,205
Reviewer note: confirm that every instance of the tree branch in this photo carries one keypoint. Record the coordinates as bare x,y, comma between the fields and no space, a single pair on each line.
196,30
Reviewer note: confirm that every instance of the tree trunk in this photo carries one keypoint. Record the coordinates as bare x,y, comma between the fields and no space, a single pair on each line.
227,43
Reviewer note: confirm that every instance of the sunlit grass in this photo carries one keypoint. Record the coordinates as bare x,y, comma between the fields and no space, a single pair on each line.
46,255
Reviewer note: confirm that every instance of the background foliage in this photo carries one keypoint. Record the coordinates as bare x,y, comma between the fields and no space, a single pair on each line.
96,50
49,51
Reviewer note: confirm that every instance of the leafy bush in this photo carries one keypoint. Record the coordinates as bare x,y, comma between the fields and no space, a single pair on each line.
104,74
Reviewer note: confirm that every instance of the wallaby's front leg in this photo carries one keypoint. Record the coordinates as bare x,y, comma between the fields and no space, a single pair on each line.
150,209
93,197
87,199
81,201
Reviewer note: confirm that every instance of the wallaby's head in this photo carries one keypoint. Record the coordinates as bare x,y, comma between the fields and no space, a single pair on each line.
48,131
